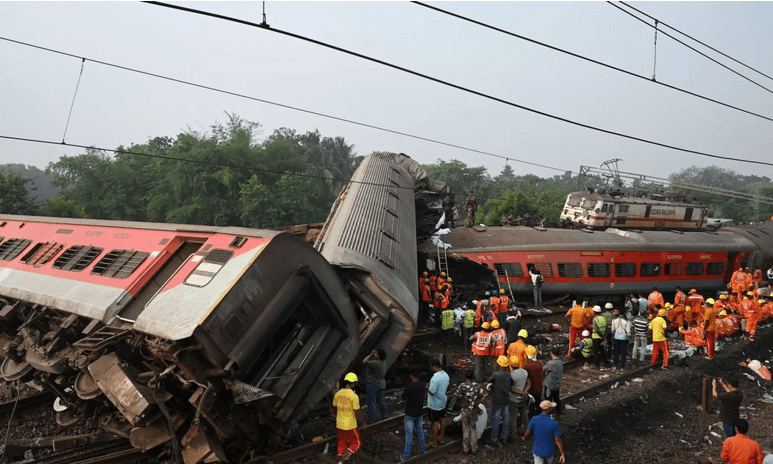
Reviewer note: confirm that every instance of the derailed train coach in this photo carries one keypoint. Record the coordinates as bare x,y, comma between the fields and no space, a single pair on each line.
208,340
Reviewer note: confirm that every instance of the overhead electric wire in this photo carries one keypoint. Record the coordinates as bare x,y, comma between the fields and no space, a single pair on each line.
452,85
696,40
282,105
692,48
221,165
590,60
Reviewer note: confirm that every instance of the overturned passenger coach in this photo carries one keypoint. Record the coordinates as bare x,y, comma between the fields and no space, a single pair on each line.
208,340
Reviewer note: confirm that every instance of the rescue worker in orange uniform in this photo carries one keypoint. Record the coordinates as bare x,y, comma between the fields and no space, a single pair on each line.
481,346
426,298
504,301
449,289
693,336
710,327
676,315
738,282
518,348
578,318
655,298
433,280
498,341
724,326
440,302
424,275
766,309
442,279
748,279
751,313
694,310
494,302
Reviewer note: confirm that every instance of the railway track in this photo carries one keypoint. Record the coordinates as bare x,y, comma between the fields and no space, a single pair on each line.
117,451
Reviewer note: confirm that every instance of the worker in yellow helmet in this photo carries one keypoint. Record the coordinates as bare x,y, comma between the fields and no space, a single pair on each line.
348,413
658,326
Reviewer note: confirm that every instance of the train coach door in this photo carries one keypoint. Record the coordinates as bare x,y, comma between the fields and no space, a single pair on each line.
610,215
688,214
170,267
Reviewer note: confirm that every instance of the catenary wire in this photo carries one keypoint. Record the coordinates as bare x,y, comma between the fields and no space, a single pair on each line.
221,165
452,85
698,41
693,49
590,60
282,105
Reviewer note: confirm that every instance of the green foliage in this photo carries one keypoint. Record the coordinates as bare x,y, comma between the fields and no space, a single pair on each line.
15,195
221,177
62,207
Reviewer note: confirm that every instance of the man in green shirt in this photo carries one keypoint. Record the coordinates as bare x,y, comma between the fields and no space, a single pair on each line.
377,366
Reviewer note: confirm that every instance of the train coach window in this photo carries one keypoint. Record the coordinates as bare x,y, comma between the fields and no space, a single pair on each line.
649,269
76,258
42,253
673,269
570,269
623,208
694,269
621,220
546,269
12,248
208,267
625,269
119,264
598,270
574,201
508,269
715,268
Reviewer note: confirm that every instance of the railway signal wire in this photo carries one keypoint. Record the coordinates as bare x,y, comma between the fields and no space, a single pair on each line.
452,85
692,48
282,105
590,60
696,40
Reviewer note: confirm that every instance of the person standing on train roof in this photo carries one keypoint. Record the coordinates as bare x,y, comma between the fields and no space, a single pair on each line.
498,341
655,297
347,409
658,327
737,282
694,310
710,327
578,320
481,347
518,349
599,335
471,207
536,282
677,314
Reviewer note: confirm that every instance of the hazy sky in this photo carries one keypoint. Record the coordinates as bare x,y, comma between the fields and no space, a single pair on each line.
117,107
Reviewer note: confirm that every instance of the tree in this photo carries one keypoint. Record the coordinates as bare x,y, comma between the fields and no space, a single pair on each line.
62,207
15,195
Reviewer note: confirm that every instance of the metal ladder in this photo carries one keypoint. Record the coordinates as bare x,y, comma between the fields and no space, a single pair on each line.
442,261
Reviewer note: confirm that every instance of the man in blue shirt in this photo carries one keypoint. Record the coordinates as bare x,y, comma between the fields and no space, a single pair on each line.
545,432
436,402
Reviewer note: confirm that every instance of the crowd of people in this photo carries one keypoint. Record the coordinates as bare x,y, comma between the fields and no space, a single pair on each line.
524,393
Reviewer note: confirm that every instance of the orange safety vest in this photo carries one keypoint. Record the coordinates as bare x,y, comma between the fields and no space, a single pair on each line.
504,302
655,298
482,343
494,304
680,299
425,292
695,301
441,300
737,281
498,339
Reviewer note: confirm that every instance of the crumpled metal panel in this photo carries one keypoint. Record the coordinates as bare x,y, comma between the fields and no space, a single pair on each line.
81,298
131,398
244,393
175,313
